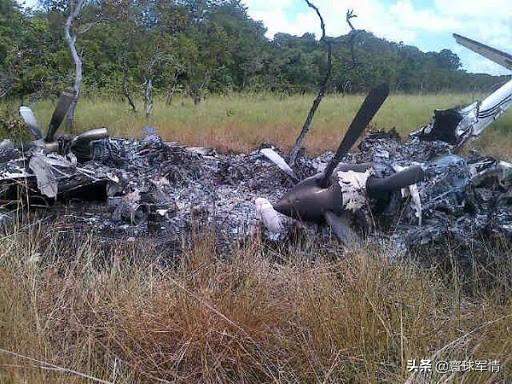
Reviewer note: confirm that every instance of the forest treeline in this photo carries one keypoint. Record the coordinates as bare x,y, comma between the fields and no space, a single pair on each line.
202,46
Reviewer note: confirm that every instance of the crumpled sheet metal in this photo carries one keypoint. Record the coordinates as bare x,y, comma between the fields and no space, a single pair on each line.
461,198
46,179
164,190
353,189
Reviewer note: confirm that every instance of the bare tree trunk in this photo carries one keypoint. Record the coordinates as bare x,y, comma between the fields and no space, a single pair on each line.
321,92
171,90
170,94
75,9
148,97
323,85
196,91
126,90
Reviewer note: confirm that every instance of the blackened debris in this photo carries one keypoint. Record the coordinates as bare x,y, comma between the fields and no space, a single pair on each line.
463,199
443,127
151,188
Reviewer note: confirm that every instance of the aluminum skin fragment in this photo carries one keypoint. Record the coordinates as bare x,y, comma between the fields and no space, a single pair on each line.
46,180
353,188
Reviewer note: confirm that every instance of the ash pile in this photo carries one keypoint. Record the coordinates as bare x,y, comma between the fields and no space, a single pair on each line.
132,188
135,188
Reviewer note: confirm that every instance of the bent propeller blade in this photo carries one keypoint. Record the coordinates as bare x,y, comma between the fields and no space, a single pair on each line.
501,58
396,182
61,109
28,116
367,111
340,225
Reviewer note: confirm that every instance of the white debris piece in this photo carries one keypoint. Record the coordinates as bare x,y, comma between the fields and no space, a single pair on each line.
46,180
506,172
415,196
274,157
203,151
72,158
412,190
268,215
353,188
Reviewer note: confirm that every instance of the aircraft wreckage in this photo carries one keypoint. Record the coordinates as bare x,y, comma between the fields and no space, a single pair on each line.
418,191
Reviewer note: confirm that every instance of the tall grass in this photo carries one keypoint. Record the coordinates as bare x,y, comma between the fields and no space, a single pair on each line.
76,310
128,315
241,122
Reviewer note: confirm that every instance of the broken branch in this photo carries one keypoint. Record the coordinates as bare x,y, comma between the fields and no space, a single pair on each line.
352,38
321,92
323,85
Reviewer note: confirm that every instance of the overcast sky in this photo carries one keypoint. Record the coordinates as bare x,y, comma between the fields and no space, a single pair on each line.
427,24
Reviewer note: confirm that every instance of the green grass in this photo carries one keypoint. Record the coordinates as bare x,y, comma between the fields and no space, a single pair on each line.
242,122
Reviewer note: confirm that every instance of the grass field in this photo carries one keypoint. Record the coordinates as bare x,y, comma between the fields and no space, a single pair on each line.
126,316
74,311
242,122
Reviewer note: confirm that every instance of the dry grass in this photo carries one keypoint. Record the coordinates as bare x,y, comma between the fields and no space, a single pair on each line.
124,313
242,122
127,315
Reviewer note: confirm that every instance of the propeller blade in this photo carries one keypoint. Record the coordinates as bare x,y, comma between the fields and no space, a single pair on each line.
501,58
275,158
366,112
61,109
31,121
396,182
340,225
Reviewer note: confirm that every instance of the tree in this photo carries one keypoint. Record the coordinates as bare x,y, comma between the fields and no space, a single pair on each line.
75,7
323,85
199,47
17,47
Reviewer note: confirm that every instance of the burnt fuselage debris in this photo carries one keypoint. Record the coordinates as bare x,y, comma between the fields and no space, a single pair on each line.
418,191
340,191
146,187
149,187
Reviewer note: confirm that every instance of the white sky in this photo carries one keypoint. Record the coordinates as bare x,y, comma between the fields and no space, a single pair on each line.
427,24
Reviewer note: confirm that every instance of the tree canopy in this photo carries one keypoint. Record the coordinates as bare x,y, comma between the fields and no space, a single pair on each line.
201,46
